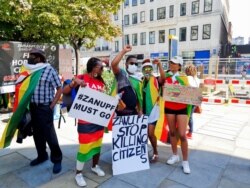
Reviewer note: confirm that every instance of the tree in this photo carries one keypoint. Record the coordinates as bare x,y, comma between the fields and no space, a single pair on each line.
77,22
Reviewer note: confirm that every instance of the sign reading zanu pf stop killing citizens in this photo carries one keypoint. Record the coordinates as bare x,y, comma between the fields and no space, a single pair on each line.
93,106
129,139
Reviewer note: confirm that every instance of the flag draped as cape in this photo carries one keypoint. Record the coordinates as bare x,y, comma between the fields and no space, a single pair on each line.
26,85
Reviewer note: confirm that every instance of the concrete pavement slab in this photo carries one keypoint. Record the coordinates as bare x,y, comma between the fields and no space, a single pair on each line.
117,183
10,180
202,175
228,183
171,184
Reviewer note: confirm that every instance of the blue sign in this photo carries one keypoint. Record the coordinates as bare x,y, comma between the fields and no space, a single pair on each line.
160,55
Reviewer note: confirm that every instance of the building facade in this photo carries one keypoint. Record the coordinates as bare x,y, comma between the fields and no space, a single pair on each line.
200,26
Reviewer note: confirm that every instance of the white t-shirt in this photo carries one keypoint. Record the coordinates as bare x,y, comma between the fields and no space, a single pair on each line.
193,81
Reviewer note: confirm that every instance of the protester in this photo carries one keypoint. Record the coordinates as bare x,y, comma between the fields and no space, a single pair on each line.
177,116
193,81
4,102
90,135
150,95
128,83
42,104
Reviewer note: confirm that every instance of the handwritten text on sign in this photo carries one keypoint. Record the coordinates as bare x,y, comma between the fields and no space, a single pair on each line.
129,153
182,94
93,106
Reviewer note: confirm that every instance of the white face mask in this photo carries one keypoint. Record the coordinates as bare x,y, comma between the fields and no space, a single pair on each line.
132,69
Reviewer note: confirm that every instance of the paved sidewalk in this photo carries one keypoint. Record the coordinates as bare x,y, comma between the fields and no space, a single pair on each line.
219,157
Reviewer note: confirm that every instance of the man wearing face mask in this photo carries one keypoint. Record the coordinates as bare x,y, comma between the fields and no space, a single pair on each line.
128,83
150,96
42,104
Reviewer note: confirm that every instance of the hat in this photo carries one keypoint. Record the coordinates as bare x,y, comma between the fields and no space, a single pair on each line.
146,62
38,52
177,60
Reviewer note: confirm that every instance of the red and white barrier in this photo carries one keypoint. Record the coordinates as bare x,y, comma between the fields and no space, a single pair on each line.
213,100
239,101
239,82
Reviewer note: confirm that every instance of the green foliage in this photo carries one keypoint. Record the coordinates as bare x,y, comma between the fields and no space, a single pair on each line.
108,78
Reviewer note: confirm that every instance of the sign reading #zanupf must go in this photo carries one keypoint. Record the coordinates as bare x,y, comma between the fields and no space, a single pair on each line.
93,106
182,94
129,152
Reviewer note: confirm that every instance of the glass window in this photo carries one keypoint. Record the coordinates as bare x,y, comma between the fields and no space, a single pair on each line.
183,9
134,18
115,16
208,5
134,39
117,46
195,7
161,36
143,38
151,0
171,11
151,37
142,15
206,31
183,33
161,13
126,20
151,15
142,1
134,2
126,3
194,33
172,32
126,39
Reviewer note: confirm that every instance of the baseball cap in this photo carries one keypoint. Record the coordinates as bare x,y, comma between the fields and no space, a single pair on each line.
177,60
38,52
146,62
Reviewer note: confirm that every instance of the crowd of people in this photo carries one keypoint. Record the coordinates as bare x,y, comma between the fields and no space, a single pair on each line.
136,101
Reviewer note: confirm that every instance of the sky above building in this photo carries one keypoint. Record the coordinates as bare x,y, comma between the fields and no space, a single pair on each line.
239,16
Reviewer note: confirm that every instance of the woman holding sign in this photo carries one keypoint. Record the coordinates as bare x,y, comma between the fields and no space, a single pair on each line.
177,116
90,135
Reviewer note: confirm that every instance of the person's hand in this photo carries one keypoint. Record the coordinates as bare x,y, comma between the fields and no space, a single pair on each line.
79,82
127,48
156,61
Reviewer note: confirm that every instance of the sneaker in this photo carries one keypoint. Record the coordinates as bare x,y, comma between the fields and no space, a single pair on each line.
173,159
185,166
189,135
97,169
80,180
57,168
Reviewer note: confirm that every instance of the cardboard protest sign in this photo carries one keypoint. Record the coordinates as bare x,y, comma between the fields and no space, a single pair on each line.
93,106
182,94
130,152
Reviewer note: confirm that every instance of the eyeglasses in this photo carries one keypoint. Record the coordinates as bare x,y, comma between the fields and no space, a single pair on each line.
133,63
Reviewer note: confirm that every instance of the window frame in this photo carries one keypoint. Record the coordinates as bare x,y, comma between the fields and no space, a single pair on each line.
151,37
204,32
170,33
195,7
134,39
180,34
134,3
194,36
126,39
151,15
142,1
143,38
117,46
142,16
208,5
133,18
126,19
171,11
159,13
182,6
162,36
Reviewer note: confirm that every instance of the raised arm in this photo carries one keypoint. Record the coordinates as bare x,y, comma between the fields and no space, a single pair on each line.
118,58
162,73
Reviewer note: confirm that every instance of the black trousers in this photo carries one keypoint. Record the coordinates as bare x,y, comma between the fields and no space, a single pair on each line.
44,132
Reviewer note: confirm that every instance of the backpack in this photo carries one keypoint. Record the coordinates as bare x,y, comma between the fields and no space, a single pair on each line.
68,98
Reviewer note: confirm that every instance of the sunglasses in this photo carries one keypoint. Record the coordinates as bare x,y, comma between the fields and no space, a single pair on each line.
148,69
133,63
